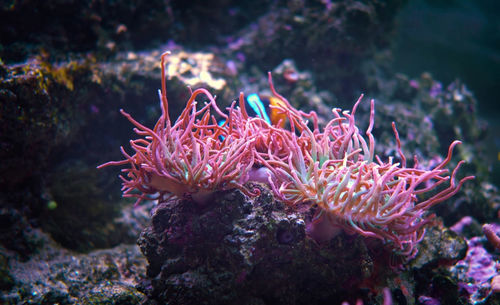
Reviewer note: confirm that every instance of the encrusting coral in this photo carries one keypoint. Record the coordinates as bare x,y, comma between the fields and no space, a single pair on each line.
334,169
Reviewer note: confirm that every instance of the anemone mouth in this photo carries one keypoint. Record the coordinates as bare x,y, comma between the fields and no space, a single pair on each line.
261,174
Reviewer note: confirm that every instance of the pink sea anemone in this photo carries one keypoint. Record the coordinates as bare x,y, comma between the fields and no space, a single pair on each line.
193,157
332,169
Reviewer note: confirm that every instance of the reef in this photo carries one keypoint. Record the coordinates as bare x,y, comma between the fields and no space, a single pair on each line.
237,249
56,275
63,82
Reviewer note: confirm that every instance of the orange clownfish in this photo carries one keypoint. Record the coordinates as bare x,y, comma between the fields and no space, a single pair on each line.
258,106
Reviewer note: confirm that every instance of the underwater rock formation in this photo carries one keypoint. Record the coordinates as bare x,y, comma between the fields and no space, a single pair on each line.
246,251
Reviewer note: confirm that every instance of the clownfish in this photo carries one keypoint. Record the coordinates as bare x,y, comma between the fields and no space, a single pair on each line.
258,106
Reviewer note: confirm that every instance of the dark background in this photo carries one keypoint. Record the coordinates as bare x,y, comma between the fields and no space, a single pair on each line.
456,39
